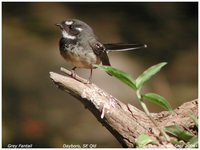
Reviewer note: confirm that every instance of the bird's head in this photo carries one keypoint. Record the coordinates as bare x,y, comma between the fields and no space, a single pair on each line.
74,28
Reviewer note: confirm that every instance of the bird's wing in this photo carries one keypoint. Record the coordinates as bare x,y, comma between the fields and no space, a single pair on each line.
100,51
123,47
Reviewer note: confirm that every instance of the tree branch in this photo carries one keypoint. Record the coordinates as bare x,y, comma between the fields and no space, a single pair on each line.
124,121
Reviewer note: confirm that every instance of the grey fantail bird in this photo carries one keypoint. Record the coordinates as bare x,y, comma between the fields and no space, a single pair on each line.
80,46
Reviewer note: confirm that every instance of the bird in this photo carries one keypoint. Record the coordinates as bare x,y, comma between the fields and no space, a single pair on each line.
80,46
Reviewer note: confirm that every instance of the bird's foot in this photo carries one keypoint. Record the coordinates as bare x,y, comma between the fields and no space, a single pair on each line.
73,74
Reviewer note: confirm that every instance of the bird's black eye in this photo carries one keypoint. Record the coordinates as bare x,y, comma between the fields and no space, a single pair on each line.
71,27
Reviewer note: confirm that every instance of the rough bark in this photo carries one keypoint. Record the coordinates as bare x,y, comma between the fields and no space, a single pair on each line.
124,121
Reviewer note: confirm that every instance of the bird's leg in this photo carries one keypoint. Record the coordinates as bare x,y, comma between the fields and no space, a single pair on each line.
90,78
73,74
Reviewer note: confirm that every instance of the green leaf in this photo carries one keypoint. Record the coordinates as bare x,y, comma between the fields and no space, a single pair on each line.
121,75
146,75
142,140
194,118
155,98
192,143
179,132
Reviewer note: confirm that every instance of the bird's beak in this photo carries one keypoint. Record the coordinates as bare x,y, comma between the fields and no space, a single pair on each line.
59,25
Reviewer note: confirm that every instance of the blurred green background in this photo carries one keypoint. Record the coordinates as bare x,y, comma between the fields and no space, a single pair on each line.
36,112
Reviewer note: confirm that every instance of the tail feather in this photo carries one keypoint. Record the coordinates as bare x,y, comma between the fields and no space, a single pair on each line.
105,60
123,47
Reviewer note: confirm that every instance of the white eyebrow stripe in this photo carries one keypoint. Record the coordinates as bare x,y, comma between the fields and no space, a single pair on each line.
68,22
67,35
79,29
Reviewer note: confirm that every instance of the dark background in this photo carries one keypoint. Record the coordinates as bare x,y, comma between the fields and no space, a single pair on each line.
36,112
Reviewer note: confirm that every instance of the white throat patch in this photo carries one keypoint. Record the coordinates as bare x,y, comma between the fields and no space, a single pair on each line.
68,22
67,35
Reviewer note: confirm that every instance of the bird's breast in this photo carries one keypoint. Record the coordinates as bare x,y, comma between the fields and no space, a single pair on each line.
79,56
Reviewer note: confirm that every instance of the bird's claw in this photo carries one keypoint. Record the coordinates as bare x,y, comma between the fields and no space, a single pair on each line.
73,74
